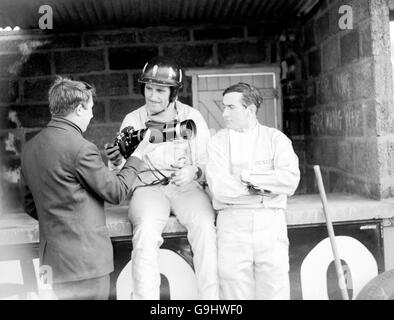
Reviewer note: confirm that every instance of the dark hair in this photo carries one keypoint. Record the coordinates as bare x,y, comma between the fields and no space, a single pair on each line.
65,95
250,95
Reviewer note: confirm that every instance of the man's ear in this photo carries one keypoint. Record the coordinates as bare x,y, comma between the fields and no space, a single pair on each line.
78,109
252,108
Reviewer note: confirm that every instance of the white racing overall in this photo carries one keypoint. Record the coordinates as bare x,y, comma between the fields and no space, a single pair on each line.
150,207
253,258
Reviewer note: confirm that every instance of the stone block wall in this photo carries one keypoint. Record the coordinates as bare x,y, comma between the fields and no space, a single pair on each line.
345,98
337,94
111,60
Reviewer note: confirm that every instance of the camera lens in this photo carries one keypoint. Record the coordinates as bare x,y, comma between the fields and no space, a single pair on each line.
128,139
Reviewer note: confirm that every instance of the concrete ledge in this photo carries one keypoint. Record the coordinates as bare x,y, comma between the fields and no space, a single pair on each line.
308,209
119,225
18,228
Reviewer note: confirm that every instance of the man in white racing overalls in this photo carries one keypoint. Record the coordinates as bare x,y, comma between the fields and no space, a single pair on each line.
251,170
169,183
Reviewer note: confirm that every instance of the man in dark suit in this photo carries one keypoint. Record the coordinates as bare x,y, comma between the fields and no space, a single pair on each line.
66,183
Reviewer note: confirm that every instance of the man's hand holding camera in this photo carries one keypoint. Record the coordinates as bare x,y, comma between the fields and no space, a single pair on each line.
113,154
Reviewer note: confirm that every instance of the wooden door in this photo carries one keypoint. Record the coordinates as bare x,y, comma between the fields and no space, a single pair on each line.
208,86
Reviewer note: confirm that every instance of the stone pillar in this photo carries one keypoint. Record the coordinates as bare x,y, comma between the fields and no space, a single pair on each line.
383,111
350,122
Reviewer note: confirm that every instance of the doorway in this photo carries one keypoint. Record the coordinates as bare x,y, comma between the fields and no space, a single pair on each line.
208,86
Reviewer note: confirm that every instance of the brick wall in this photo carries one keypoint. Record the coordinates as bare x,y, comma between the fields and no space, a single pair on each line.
111,60
345,99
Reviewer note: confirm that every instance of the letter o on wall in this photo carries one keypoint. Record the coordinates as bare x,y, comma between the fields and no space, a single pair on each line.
361,262
180,276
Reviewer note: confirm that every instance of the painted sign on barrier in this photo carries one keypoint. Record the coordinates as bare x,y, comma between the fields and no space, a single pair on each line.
312,273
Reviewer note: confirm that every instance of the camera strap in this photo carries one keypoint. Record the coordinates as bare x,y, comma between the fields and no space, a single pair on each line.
164,181
154,168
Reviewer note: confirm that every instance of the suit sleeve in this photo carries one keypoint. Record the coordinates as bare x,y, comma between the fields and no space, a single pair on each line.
285,176
223,185
95,176
28,202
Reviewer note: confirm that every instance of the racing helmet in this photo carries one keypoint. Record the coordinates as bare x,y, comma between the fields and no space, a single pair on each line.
162,71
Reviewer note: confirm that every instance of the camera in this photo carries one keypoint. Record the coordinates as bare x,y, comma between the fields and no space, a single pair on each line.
128,139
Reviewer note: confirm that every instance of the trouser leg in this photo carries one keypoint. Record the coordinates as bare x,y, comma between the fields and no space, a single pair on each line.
235,256
271,256
149,210
194,210
88,289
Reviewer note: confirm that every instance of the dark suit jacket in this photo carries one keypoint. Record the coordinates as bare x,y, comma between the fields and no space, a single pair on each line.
66,183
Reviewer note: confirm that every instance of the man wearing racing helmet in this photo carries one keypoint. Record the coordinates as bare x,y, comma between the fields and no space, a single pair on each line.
169,182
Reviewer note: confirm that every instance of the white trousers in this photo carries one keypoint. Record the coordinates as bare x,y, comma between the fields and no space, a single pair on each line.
253,254
149,211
